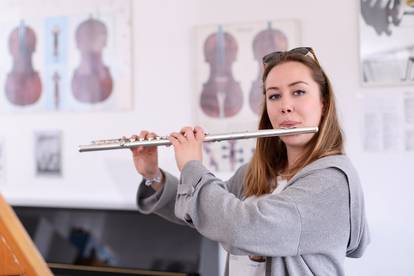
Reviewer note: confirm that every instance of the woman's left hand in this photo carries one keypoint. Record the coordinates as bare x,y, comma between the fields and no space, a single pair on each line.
187,145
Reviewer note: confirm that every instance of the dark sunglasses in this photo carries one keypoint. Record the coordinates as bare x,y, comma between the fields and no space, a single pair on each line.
275,56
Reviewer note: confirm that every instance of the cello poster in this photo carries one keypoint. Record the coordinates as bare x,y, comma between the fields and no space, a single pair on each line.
228,91
78,61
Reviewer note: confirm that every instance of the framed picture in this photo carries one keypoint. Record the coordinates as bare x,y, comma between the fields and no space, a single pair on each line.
387,42
48,153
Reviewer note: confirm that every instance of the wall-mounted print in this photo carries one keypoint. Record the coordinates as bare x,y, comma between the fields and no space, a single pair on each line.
228,84
69,56
48,153
387,42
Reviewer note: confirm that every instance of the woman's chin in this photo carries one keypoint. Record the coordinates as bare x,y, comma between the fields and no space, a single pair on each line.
299,140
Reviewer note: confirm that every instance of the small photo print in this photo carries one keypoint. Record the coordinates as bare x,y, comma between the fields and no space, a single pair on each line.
48,153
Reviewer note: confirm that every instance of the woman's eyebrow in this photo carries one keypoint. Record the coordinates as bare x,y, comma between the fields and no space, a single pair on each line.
298,82
291,84
272,88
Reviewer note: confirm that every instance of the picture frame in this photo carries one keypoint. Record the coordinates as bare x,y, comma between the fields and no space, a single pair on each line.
386,43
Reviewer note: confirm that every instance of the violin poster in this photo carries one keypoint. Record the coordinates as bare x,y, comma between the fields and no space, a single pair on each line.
71,59
228,82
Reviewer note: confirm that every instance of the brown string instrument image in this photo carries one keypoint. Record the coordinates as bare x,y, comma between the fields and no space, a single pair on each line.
23,86
92,81
266,41
221,95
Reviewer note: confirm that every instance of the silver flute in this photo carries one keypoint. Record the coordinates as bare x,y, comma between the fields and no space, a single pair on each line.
123,143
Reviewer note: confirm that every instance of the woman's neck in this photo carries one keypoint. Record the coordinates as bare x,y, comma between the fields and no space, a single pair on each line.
293,155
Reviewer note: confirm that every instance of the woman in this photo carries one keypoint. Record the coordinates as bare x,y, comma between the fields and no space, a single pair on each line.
296,209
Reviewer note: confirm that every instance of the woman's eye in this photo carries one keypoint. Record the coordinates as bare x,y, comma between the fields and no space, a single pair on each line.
298,92
274,97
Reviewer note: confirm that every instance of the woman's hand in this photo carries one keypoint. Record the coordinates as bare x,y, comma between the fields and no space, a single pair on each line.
187,145
145,158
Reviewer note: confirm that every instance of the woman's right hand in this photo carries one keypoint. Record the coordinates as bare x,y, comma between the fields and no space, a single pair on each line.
145,158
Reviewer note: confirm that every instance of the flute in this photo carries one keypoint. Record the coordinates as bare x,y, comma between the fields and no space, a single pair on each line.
123,143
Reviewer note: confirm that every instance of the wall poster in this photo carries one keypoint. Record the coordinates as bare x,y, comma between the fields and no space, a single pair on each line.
228,87
70,55
388,122
387,42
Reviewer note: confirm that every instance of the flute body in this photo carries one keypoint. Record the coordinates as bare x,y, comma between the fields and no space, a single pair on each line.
124,143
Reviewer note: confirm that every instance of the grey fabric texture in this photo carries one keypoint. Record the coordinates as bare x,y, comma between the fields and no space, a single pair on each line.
307,229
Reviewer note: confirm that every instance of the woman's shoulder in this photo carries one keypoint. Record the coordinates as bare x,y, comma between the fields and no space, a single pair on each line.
242,169
340,162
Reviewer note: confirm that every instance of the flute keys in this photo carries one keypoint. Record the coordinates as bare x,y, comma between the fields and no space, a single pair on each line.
105,142
123,141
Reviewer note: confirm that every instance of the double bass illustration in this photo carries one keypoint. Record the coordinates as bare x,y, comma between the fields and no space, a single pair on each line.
221,96
23,86
266,41
92,81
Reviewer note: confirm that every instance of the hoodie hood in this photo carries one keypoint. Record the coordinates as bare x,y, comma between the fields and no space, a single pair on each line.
359,236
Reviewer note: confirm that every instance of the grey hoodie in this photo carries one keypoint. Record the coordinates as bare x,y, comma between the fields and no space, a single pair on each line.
307,229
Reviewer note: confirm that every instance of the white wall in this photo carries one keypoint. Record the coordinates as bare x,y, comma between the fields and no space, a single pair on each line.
163,64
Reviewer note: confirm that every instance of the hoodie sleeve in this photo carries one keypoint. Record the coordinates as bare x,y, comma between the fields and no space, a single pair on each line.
162,202
159,202
309,216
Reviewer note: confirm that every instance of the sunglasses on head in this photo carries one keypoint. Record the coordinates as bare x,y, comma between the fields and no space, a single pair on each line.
275,56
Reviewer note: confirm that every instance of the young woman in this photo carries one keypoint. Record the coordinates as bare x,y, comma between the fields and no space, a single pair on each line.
296,209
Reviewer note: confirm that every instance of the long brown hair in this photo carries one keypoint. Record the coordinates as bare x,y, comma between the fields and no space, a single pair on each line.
270,157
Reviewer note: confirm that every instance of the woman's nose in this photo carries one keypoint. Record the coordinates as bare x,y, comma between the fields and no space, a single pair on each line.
287,106
287,109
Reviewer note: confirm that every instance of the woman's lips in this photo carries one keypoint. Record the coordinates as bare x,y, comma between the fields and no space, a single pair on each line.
288,124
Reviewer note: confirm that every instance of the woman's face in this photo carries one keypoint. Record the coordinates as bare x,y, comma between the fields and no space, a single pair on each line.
293,100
